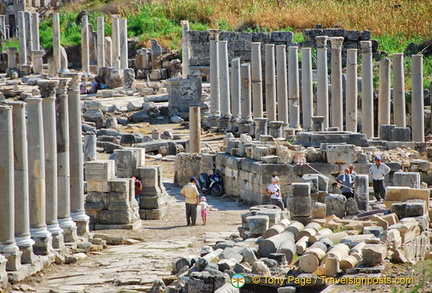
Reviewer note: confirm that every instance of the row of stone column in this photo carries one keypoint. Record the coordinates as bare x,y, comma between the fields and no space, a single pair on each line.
28,34
41,172
282,93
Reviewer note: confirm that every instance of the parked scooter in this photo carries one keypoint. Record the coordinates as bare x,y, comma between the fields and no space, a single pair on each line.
211,184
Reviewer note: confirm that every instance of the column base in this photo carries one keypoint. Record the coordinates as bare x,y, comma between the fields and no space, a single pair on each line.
69,229
275,128
25,244
57,235
43,241
13,256
233,125
244,127
260,127
222,123
252,129
82,223
213,120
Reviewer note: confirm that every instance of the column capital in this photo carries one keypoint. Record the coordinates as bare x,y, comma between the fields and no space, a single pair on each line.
366,46
62,87
75,78
47,87
214,35
336,43
321,41
184,24
11,50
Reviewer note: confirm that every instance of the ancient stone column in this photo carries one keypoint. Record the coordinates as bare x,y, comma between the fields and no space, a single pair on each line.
260,127
361,191
11,58
22,38
384,93
294,88
76,157
336,83
101,42
37,191
246,113
90,146
235,93
115,41
108,52
214,75
399,114
47,90
85,53
8,246
256,75
56,42
224,90
270,82
124,61
38,61
29,35
282,84
22,221
185,48
63,166
367,89
351,88
35,31
195,129
418,127
307,88
3,27
322,85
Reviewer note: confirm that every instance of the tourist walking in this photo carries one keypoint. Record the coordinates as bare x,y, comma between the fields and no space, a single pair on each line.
274,190
378,172
347,182
191,194
204,208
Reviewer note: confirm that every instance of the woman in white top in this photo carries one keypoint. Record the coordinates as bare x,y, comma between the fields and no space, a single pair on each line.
274,190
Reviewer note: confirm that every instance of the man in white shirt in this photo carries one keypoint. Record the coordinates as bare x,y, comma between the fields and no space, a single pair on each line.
378,171
275,193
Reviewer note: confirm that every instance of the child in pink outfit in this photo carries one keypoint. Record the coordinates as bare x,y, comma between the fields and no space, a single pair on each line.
204,207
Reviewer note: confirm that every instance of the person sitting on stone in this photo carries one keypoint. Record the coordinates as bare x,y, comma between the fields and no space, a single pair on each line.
274,190
347,181
97,85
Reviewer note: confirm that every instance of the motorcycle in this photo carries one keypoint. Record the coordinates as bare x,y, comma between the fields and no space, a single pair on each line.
211,184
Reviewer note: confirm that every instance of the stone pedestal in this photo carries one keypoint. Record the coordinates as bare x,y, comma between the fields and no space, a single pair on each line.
90,146
11,60
260,127
195,129
185,48
101,42
418,127
306,88
275,128
256,76
244,127
318,123
270,82
222,123
294,89
8,246
336,83
214,73
367,89
282,84
322,85
224,89
351,91
37,189
399,113
38,61
108,52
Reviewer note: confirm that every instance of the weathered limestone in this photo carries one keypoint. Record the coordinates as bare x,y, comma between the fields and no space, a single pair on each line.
101,42
246,115
85,45
307,88
35,31
214,74
90,146
351,89
322,85
22,39
294,89
185,48
47,90
235,92
256,76
124,52
8,246
76,157
335,204
22,222
224,89
108,51
115,41
260,127
63,171
56,41
399,113
384,93
336,83
409,179
272,244
367,89
38,61
258,225
29,36
37,189
361,191
282,84
417,100
11,59
195,130
270,82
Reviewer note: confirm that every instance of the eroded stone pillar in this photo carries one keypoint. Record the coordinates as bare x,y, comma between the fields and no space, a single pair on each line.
322,85
85,46
214,75
37,189
246,113
224,90
294,88
399,114
235,94
56,42
90,141
101,42
195,129
108,52
336,83
8,246
35,31
307,88
367,89
270,82
38,61
256,75
352,92
29,35
384,93
124,61
76,157
22,38
417,99
185,48
282,84
115,41
11,58
63,165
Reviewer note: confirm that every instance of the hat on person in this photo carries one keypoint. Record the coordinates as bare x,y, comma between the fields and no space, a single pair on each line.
193,179
378,158
203,198
275,178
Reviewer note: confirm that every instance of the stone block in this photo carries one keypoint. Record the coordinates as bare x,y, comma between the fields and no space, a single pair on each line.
318,210
99,186
415,208
341,154
299,206
154,214
401,134
390,219
324,168
393,193
258,225
96,201
380,221
120,185
422,194
128,160
318,182
398,208
377,231
206,282
114,217
409,179
386,132
301,189
103,170
353,240
270,159
335,204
